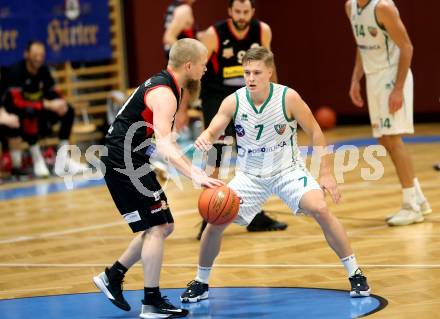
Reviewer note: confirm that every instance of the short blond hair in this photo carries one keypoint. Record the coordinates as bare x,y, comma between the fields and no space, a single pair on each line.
259,54
185,50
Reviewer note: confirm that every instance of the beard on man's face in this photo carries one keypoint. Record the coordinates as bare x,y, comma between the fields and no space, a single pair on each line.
240,24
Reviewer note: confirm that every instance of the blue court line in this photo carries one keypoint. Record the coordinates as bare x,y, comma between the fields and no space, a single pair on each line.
226,302
54,187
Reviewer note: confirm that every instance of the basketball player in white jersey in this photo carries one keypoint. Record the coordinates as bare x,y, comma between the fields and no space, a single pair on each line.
384,53
265,117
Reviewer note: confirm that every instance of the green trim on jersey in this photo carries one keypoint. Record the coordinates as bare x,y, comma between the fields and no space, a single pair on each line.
236,105
377,21
283,103
388,49
248,96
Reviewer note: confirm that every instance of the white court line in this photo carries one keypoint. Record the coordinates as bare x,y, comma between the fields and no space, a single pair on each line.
78,229
248,266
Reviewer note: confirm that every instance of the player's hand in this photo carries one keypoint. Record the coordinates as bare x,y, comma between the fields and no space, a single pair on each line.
355,94
395,100
204,141
200,178
328,184
8,119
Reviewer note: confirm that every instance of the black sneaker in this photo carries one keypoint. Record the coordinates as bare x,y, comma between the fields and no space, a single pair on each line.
112,289
262,222
195,291
162,308
359,285
202,228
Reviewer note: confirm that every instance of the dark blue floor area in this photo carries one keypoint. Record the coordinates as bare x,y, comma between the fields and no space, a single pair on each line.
230,303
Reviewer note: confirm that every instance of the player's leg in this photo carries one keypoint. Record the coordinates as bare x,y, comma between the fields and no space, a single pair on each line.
389,130
151,217
252,193
298,189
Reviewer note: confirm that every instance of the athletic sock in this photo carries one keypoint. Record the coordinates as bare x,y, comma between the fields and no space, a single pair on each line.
350,264
151,294
419,194
117,269
409,196
203,274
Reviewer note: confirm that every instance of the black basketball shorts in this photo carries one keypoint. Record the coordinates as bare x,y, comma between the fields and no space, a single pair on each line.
139,210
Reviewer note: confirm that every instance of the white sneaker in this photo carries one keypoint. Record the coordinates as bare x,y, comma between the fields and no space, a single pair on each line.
425,208
67,166
40,169
406,216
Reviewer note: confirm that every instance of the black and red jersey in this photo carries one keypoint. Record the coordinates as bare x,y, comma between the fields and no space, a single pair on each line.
23,90
133,125
225,71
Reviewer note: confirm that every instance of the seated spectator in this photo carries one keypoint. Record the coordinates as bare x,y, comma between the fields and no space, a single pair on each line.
30,93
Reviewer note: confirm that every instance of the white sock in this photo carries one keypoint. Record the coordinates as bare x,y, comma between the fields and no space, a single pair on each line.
203,274
409,196
350,264
36,153
419,194
16,158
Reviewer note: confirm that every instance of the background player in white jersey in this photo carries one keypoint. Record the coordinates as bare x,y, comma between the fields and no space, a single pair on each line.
384,54
255,109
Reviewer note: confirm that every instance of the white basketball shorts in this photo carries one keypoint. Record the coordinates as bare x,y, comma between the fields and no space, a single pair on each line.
289,185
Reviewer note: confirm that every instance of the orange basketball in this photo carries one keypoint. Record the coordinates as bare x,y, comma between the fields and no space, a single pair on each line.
326,117
218,205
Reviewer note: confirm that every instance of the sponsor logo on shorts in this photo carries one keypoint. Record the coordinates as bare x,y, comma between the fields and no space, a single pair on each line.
132,217
280,128
239,130
158,207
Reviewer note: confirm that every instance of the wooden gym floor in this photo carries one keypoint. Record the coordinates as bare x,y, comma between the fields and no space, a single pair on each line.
54,243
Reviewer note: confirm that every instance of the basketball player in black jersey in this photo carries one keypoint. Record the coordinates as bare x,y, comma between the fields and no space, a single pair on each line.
134,187
227,42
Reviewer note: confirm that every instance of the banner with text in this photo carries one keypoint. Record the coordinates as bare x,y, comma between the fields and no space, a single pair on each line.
72,30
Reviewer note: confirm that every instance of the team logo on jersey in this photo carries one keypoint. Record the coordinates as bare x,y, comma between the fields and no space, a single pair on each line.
373,31
228,53
244,117
239,130
280,128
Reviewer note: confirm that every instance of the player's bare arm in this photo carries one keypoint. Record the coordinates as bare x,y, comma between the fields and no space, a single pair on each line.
163,104
218,123
388,16
298,109
266,40
210,39
358,71
182,16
